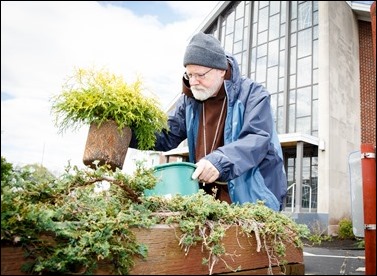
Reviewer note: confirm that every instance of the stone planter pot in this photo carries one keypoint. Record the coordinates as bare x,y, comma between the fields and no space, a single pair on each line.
107,144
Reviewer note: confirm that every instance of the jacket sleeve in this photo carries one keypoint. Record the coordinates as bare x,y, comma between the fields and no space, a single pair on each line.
248,146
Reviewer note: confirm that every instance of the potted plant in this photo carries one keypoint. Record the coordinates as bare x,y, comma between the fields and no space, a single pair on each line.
112,108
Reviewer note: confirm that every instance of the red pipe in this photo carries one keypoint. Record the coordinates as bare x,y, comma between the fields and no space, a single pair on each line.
368,168
373,18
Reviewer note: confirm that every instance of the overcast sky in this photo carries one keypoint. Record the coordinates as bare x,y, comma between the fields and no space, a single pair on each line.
42,42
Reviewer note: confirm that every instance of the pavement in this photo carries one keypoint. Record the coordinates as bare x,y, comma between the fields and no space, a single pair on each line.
330,261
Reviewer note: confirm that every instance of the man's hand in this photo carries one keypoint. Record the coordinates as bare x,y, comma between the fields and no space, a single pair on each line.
205,172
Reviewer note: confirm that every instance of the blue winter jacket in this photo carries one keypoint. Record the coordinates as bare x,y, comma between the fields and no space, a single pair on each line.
251,159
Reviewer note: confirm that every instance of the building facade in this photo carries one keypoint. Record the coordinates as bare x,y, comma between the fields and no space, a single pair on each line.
316,60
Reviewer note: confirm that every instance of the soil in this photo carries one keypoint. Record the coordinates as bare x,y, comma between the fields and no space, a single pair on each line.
337,243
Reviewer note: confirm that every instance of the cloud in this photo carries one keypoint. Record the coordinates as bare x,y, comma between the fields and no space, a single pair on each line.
42,42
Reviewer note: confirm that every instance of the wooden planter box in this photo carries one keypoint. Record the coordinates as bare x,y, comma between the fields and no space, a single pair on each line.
165,256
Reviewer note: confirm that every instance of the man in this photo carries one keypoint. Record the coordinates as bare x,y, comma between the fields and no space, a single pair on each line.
228,123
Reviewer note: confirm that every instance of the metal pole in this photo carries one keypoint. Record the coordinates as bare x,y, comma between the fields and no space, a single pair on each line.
368,168
299,162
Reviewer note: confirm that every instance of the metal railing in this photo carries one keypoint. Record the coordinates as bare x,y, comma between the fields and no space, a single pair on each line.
293,187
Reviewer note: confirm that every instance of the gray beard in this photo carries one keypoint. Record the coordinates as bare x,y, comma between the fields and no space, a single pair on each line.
201,94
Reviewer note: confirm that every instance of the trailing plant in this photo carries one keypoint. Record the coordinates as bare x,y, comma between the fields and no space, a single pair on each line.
203,221
64,225
95,96
68,224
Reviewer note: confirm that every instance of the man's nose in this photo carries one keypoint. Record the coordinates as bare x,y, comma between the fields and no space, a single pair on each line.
193,80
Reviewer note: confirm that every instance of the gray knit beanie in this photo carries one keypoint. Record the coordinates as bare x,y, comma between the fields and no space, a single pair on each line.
205,50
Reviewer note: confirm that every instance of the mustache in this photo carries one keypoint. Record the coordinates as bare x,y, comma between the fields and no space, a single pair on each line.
198,88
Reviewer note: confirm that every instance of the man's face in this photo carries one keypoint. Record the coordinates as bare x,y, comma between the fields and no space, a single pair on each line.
205,82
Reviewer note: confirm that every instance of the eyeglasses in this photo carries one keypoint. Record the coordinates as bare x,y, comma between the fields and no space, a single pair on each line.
196,76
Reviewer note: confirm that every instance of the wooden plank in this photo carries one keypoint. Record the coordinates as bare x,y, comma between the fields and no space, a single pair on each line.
12,258
165,256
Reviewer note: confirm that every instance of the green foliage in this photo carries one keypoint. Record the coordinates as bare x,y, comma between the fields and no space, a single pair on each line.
65,224
68,223
6,168
91,96
317,239
360,243
317,233
345,229
204,221
39,172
